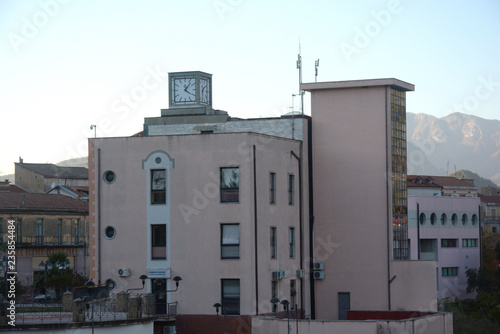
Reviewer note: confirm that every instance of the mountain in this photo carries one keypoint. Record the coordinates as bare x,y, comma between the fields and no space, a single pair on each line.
76,162
440,146
479,181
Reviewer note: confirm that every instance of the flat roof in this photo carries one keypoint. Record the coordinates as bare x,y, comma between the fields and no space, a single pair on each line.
358,84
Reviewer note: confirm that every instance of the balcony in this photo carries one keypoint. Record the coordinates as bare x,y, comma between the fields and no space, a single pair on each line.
491,219
50,241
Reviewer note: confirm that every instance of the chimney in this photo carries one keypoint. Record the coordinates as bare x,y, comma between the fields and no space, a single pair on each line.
23,200
20,160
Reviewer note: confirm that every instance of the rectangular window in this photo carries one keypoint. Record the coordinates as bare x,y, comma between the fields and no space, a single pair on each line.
275,294
272,188
469,242
19,231
291,241
293,293
59,232
77,231
158,186
274,243
230,185
448,243
291,189
230,241
39,231
158,242
230,289
449,271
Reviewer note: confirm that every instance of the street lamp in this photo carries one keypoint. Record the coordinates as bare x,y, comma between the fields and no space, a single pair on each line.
143,278
217,306
275,301
177,280
286,305
45,267
88,299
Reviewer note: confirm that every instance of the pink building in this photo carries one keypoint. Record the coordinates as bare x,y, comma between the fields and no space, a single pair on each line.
443,215
249,210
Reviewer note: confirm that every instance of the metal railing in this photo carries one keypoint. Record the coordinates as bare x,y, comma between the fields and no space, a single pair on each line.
50,240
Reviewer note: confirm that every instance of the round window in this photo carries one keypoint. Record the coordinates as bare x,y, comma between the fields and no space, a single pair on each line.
422,218
433,219
158,160
465,220
110,284
454,219
110,232
474,219
444,219
109,176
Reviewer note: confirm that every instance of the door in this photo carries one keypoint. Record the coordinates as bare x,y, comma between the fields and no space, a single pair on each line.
344,304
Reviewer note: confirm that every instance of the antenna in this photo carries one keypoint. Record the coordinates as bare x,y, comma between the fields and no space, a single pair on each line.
316,65
94,127
299,66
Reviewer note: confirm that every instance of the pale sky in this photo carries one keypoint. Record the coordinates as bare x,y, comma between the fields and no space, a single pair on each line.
65,65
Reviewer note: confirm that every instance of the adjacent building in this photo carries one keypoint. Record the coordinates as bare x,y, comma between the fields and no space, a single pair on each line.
490,211
39,178
44,224
444,226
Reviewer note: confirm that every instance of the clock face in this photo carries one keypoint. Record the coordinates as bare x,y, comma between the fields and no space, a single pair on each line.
184,90
205,91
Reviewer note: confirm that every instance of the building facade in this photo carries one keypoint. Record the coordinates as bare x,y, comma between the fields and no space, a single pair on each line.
359,195
490,211
444,226
44,224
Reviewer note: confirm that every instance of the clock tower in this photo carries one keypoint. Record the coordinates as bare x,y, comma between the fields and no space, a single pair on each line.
190,89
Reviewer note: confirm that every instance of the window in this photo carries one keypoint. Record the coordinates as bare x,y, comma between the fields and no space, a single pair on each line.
275,294
59,232
1,230
110,232
469,242
448,243
230,241
465,220
422,218
293,293
449,271
291,241
474,219
433,218
444,219
230,185
158,186
274,243
230,289
158,242
272,188
77,231
291,189
39,231
19,231
454,219
109,176
494,229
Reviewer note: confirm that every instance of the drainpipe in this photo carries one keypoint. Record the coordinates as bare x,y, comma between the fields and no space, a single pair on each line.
256,259
418,230
299,160
311,218
99,215
389,216
480,239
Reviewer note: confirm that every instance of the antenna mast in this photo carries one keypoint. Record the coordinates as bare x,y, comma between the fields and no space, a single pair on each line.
316,65
301,92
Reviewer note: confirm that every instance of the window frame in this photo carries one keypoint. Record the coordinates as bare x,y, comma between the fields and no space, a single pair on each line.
232,301
272,188
449,243
153,234
449,271
274,242
469,243
291,241
39,231
229,193
158,196
229,245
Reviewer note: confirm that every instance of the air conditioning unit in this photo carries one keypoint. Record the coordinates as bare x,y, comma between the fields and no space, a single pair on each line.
283,274
123,272
319,274
319,266
169,330
280,274
301,273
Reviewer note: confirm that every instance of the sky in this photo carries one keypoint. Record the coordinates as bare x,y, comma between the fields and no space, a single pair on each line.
68,64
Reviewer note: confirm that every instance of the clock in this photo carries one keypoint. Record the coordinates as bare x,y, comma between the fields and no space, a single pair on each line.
205,91
191,89
184,90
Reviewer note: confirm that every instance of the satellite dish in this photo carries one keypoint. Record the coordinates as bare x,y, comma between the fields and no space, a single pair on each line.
53,185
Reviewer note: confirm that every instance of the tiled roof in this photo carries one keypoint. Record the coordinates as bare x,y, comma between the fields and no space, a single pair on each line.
440,181
11,188
53,171
490,199
41,202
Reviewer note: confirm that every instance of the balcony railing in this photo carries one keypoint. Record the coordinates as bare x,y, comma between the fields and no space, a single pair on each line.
489,219
49,240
